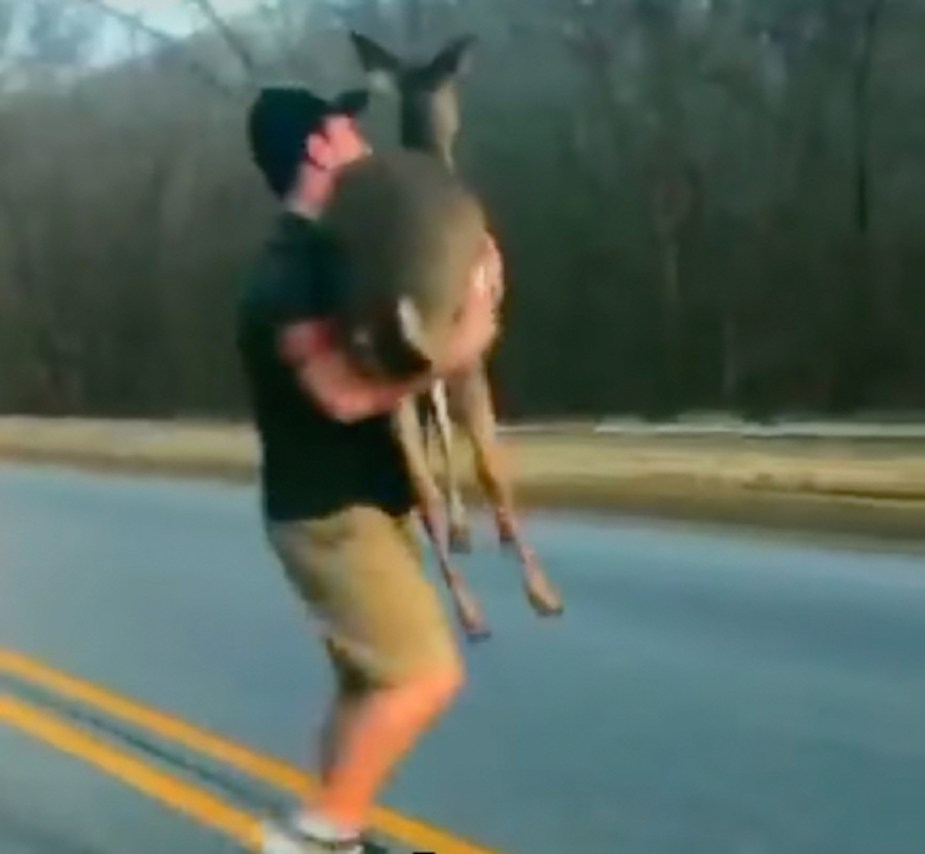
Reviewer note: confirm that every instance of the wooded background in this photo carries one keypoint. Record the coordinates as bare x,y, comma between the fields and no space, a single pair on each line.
703,203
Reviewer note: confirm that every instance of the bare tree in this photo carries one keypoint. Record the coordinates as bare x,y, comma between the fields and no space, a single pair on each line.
700,204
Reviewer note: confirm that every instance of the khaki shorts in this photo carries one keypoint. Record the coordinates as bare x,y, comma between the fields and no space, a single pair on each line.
361,574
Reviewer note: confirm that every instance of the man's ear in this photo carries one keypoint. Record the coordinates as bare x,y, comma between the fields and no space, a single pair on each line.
319,151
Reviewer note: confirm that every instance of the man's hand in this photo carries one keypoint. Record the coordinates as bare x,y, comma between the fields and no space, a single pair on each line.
327,373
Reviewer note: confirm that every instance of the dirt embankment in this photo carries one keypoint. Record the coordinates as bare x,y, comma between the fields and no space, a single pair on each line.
873,486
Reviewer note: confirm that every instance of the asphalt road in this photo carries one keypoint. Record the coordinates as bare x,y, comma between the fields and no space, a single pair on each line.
708,692
51,804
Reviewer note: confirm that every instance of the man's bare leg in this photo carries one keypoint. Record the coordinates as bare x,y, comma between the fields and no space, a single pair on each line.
395,660
338,721
366,736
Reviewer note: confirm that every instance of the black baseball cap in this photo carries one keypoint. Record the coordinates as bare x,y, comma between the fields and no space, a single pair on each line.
279,120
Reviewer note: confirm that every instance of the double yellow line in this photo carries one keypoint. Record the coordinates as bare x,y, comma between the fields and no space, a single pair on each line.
170,791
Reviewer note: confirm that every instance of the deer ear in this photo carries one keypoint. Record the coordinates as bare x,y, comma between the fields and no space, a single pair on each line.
454,60
383,69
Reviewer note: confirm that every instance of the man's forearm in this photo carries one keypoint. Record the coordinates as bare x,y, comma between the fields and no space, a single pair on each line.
329,375
380,396
349,395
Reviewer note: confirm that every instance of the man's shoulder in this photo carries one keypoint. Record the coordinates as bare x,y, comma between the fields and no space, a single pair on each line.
280,276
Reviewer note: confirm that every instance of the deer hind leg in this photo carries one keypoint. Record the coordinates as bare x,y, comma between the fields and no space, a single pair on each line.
460,531
472,403
472,408
410,434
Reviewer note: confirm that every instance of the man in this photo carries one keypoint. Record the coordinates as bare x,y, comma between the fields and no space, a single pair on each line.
337,497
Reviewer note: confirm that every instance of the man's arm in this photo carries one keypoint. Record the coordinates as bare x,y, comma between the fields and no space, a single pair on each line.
326,373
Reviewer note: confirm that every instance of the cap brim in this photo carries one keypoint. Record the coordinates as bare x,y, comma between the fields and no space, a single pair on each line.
350,103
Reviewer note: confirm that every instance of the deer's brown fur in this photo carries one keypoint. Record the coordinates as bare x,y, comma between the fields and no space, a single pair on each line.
430,122
411,231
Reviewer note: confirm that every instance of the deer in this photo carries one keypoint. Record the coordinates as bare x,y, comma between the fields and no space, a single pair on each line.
429,124
389,215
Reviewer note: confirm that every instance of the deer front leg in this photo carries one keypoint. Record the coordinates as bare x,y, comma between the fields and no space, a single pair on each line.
430,506
460,538
472,400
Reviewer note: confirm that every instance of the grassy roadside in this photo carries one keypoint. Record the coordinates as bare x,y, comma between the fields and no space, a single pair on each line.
871,487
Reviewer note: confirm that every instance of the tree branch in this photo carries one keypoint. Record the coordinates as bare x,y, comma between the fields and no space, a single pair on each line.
288,29
138,24
232,40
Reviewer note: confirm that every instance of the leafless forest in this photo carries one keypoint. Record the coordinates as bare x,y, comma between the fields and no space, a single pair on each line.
703,203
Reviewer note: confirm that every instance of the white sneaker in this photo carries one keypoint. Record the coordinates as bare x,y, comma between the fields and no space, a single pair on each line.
289,840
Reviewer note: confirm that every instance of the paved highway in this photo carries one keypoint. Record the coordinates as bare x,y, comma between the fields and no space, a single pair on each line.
707,692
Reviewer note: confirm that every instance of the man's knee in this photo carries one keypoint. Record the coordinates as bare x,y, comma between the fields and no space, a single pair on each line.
435,670
449,680
437,687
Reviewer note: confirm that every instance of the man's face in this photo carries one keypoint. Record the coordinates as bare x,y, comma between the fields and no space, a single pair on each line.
339,143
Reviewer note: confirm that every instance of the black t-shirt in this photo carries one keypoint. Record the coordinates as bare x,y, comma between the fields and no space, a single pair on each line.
312,465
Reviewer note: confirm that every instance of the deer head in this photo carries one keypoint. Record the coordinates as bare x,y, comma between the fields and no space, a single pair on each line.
427,91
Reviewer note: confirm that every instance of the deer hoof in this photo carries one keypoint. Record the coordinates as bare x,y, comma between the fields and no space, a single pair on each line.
505,526
542,596
546,604
479,635
471,618
460,539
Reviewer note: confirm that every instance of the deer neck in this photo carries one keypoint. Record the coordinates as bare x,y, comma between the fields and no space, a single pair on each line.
424,137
